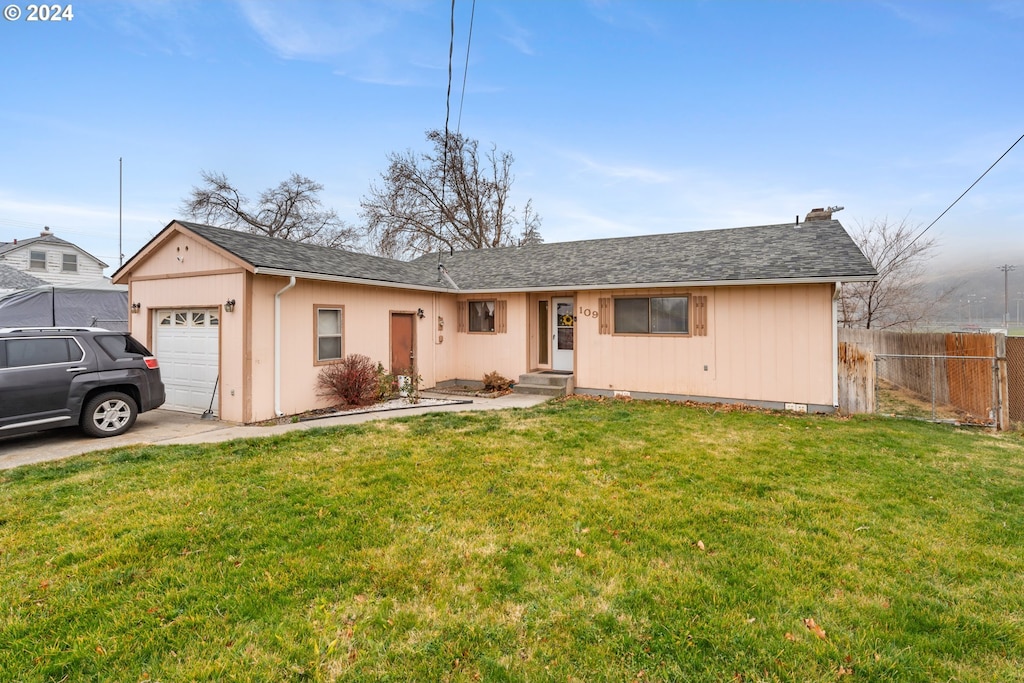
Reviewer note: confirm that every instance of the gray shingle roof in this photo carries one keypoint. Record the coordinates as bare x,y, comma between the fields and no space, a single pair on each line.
267,252
11,278
819,250
816,250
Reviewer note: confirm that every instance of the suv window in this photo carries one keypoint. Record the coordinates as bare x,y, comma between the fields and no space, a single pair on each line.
24,352
121,346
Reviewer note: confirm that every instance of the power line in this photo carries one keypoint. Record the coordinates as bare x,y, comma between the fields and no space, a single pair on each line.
447,114
465,70
961,196
448,98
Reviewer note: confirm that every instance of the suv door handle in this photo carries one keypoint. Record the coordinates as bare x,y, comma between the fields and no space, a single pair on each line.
78,369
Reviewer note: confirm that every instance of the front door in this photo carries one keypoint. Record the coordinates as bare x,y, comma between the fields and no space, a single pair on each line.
402,355
564,337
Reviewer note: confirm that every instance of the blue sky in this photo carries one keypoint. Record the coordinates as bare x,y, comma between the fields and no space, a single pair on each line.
624,118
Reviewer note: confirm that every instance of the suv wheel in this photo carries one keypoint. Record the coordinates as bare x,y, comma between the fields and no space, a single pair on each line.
109,414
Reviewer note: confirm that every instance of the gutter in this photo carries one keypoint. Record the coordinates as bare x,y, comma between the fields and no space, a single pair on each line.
277,346
561,287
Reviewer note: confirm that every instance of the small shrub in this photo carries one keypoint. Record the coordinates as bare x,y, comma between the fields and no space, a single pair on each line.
495,381
352,381
387,384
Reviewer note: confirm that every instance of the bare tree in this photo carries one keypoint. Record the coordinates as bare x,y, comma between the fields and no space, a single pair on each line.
449,197
900,297
290,211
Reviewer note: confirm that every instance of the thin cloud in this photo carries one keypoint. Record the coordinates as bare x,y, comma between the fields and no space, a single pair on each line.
1014,9
365,41
923,16
516,35
620,172
625,15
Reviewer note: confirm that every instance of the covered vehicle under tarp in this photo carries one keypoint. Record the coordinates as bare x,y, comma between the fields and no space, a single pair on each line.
86,304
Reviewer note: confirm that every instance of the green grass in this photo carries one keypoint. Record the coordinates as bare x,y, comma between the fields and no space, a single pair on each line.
577,541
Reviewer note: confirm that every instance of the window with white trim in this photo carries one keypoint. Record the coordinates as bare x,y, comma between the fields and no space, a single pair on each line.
37,260
69,263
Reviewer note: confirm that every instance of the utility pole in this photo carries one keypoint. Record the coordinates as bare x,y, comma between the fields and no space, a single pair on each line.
1006,268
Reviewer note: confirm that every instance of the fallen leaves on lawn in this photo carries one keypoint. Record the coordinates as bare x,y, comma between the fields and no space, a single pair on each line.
814,628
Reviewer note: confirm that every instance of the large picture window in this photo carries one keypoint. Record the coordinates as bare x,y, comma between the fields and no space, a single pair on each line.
329,334
481,316
652,315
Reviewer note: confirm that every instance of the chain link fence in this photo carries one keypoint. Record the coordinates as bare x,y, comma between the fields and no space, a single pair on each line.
940,388
1015,377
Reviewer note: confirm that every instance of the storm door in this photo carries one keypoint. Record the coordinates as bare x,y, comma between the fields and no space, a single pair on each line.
564,337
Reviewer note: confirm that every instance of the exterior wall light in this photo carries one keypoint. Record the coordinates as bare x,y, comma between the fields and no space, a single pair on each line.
136,307
420,314
229,305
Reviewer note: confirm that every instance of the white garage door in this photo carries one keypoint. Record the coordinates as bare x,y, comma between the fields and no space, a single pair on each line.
187,349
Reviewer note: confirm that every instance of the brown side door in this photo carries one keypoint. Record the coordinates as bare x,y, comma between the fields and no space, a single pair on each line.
402,354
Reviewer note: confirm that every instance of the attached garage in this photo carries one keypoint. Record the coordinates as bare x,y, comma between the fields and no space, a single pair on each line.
188,348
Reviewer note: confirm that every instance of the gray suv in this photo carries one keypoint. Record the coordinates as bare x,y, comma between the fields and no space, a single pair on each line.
59,376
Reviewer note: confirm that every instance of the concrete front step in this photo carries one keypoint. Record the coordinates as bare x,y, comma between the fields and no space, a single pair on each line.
545,384
539,389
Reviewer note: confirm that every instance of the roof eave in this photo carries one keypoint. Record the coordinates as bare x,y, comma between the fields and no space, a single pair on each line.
281,272
326,277
832,279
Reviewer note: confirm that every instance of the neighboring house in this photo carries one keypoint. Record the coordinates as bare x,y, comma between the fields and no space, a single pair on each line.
50,259
245,322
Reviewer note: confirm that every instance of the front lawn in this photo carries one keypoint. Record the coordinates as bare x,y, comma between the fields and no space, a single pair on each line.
581,540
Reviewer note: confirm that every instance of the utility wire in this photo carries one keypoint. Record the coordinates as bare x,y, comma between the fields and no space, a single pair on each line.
465,71
960,197
447,115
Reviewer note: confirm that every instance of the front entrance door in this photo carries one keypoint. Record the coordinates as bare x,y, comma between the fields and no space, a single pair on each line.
564,338
402,354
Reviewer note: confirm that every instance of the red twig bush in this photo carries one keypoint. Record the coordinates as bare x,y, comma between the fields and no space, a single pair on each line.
353,381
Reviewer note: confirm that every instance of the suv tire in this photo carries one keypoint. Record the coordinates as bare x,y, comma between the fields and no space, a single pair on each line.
109,414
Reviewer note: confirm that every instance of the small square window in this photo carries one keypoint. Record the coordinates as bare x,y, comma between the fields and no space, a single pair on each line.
69,263
481,316
37,260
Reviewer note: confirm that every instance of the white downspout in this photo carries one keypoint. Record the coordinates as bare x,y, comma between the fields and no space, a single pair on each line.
835,344
277,346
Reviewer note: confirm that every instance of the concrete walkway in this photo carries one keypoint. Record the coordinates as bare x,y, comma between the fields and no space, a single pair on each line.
167,427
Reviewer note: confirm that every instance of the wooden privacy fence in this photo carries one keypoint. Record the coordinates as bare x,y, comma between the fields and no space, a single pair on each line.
957,377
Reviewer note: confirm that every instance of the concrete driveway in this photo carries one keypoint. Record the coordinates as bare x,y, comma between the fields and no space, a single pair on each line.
167,427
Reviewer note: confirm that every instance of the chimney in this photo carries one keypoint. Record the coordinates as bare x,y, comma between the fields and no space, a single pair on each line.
46,231
821,214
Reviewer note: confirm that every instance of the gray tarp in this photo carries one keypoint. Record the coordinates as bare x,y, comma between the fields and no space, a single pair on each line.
87,304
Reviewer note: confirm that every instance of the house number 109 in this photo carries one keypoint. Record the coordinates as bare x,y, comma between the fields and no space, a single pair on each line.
588,312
